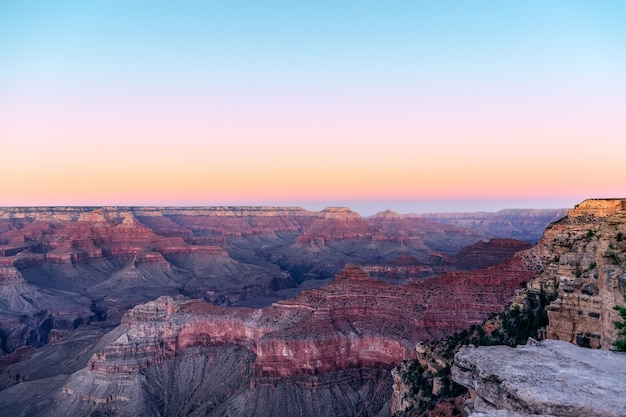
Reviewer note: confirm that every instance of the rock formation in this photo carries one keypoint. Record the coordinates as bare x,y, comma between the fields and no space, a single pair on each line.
28,314
328,349
580,277
109,259
548,378
582,259
349,333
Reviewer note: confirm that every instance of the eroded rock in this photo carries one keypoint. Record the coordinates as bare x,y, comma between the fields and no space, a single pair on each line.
544,378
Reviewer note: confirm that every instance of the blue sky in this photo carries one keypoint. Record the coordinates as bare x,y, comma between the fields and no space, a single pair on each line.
242,102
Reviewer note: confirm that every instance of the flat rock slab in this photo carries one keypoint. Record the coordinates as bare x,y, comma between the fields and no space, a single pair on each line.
547,378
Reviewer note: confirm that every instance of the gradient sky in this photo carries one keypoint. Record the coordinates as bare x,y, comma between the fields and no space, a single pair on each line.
416,106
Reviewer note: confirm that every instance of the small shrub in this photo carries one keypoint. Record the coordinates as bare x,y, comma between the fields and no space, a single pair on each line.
613,257
620,344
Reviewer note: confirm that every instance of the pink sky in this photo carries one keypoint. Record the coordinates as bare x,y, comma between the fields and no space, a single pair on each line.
544,126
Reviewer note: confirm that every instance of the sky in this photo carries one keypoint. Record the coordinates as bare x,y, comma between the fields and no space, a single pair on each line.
417,106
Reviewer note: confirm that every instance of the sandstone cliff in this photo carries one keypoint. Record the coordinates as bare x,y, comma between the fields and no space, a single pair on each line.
583,260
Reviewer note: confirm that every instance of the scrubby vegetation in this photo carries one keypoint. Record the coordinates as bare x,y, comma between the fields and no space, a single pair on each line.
620,344
512,327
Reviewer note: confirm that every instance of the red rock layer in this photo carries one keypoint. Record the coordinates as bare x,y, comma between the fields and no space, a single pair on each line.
483,254
352,322
112,258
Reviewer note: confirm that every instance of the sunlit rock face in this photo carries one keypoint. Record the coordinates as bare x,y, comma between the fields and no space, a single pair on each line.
598,207
583,266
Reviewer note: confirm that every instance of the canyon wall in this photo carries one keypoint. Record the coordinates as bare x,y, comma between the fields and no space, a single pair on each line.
328,349
345,336
580,264
583,259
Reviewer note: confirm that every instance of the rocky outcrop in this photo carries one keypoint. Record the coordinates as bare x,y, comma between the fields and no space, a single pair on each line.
580,277
551,378
598,207
582,259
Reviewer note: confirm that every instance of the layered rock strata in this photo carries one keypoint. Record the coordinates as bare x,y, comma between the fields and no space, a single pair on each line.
354,321
581,277
548,378
519,224
324,336
109,259
583,260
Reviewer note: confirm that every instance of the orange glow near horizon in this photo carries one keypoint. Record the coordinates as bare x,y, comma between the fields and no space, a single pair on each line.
153,165
207,114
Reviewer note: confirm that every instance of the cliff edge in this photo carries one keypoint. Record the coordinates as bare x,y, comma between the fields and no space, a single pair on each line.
549,378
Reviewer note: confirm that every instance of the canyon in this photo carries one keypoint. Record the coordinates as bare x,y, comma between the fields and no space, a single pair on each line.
570,302
272,307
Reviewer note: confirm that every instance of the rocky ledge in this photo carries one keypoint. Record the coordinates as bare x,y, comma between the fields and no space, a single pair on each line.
599,207
548,378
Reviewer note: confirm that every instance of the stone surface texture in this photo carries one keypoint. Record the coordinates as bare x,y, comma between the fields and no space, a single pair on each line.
550,377
581,274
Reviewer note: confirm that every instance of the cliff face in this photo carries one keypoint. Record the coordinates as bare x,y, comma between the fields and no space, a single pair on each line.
329,349
352,322
583,259
580,277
